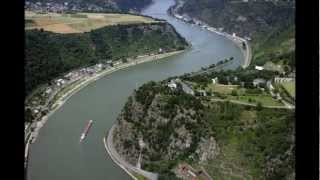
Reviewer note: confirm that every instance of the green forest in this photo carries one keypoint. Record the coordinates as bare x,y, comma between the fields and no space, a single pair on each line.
49,55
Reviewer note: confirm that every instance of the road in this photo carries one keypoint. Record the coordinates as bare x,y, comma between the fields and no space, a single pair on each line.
122,163
248,54
249,104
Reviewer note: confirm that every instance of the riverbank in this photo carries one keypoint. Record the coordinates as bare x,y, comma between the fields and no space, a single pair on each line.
86,81
107,147
128,168
246,50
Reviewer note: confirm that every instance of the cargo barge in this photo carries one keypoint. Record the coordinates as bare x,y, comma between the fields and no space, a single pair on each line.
86,130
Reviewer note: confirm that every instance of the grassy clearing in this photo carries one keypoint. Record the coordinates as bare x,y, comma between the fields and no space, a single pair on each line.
290,87
79,22
274,67
265,100
248,117
139,176
229,164
220,88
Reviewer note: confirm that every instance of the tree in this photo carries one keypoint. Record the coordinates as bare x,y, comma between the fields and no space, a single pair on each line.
234,93
259,106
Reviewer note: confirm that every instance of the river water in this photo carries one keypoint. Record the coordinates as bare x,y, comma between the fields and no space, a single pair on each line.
57,154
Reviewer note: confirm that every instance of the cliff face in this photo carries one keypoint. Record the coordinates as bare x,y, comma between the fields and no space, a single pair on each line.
166,129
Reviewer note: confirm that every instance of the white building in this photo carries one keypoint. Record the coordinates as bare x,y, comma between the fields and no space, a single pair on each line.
117,63
172,85
60,82
215,80
269,86
202,92
259,68
258,81
281,80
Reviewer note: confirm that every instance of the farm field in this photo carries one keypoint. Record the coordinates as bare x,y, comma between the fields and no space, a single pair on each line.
79,22
265,100
290,88
224,89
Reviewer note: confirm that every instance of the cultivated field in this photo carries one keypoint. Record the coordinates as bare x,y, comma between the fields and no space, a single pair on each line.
290,87
79,22
220,88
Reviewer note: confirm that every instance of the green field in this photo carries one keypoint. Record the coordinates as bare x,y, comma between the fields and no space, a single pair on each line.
290,87
79,22
265,100
220,88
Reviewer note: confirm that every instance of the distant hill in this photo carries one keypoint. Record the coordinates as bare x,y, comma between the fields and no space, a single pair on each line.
115,5
48,54
244,18
270,24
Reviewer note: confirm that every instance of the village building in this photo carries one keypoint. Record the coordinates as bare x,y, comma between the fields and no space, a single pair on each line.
215,80
184,86
202,92
187,89
281,80
269,85
259,81
172,85
259,68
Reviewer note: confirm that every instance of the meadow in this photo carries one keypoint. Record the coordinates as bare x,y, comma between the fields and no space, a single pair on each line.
79,22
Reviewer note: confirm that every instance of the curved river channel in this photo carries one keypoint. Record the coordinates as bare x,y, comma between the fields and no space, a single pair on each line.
57,154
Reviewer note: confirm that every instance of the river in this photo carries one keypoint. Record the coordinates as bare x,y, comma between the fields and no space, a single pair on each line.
57,154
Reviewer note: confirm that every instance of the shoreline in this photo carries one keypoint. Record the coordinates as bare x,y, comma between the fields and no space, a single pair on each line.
88,80
247,52
116,158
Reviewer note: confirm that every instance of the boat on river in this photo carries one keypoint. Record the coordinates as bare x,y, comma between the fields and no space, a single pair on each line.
86,130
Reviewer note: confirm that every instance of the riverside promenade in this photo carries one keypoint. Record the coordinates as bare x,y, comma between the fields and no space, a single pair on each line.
127,167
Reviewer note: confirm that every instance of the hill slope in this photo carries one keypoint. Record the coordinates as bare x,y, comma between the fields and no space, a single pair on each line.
228,140
270,25
48,55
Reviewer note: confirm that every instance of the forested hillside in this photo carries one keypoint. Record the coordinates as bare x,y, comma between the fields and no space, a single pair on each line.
48,55
229,140
270,24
